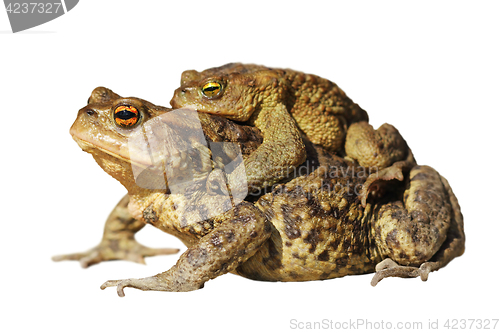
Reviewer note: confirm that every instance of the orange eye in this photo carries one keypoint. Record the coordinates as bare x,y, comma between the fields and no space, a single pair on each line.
126,116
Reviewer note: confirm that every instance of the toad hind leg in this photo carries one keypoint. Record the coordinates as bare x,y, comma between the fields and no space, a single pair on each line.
240,233
383,152
118,241
427,233
378,148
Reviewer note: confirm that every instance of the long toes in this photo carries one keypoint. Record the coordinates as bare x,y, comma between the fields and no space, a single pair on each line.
126,283
399,271
92,259
149,252
71,256
378,277
110,283
426,268
119,289
120,285
385,264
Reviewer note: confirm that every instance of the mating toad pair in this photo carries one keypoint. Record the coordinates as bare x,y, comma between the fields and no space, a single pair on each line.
270,174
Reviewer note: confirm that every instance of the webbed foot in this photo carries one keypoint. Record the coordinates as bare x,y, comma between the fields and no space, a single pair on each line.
388,268
149,283
122,249
160,282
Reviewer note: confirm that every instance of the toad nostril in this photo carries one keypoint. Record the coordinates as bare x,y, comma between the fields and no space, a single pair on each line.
90,112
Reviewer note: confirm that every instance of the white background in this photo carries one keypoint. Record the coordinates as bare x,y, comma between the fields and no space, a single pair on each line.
429,68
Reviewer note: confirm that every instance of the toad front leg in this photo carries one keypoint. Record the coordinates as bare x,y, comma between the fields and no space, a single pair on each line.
118,241
422,233
281,150
240,233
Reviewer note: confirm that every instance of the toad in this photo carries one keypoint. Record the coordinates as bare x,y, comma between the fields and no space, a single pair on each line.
284,104
182,171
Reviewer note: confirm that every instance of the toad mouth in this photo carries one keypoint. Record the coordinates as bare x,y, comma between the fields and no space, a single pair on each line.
87,146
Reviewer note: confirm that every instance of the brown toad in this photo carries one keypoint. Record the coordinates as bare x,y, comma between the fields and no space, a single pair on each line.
283,104
312,227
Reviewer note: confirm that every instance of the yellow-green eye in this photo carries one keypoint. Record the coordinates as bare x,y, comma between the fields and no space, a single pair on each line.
211,89
126,116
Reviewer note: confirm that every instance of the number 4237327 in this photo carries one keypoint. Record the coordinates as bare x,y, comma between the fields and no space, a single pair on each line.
34,7
485,324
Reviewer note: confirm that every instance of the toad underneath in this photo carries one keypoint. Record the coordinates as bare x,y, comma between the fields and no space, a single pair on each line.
313,226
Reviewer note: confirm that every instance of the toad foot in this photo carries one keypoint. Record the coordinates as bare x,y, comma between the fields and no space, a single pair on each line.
160,282
388,268
130,250
149,283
